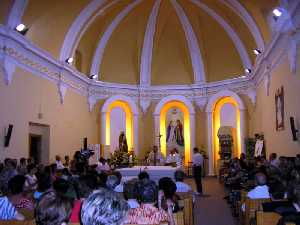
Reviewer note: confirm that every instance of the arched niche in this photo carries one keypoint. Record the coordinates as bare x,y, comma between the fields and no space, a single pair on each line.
189,122
213,109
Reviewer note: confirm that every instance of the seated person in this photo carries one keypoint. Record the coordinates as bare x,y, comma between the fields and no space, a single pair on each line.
103,207
261,190
278,203
102,165
17,196
147,213
131,193
180,185
143,175
174,158
8,211
31,180
119,187
59,163
44,185
53,209
112,182
167,194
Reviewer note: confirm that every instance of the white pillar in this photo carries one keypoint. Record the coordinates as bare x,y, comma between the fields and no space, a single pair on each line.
210,149
242,129
193,135
103,128
156,128
136,134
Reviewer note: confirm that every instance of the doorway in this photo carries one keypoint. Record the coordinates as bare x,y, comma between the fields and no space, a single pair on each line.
39,139
35,147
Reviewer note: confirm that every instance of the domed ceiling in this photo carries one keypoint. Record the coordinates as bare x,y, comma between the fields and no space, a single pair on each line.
152,42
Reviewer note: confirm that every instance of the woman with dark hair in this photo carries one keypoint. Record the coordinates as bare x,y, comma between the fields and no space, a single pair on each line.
167,194
17,196
44,185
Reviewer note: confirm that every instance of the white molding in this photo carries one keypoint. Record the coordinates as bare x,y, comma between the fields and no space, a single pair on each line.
238,8
16,13
230,31
123,98
8,68
82,22
201,103
146,59
92,101
293,52
98,55
195,52
62,90
169,98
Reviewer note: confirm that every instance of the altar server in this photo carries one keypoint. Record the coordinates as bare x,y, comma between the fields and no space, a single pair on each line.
197,169
155,157
174,158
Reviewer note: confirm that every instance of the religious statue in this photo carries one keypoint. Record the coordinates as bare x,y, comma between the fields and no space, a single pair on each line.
123,142
175,133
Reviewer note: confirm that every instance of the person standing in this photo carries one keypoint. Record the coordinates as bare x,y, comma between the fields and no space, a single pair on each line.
197,169
155,157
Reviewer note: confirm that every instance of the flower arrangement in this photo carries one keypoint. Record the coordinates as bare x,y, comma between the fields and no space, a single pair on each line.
122,159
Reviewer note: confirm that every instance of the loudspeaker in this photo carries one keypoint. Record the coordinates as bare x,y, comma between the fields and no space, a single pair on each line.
8,135
85,143
294,130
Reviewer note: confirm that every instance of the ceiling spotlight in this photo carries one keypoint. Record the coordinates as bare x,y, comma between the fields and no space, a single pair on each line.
93,77
248,70
257,51
69,60
21,28
277,12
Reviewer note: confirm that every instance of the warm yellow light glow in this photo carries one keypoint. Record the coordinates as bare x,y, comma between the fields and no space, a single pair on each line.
129,122
186,128
217,124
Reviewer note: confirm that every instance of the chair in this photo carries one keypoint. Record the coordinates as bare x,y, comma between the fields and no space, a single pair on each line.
267,218
251,206
187,203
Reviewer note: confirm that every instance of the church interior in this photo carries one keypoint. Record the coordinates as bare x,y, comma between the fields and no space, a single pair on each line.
151,85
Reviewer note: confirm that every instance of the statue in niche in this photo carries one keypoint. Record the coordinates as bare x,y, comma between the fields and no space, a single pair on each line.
175,131
123,142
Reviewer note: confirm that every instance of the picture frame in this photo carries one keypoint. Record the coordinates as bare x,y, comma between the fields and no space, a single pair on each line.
279,108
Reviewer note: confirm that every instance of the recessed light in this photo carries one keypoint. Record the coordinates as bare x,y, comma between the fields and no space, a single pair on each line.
93,77
248,70
21,28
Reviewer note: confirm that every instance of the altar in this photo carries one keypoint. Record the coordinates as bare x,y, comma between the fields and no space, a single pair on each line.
155,172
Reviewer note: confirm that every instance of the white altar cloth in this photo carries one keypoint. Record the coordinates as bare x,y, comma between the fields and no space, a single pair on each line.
155,172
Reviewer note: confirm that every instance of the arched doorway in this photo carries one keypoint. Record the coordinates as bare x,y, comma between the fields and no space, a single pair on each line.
160,117
131,121
213,110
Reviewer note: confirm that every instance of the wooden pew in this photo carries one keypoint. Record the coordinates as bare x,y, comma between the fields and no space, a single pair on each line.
267,218
16,222
187,203
251,206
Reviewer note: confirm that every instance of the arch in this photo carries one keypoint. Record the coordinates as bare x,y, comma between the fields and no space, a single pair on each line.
16,13
131,112
238,8
97,58
146,59
195,53
230,31
86,17
189,122
215,103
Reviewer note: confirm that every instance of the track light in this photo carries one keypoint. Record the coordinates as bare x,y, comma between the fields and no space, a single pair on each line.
93,77
69,60
257,51
248,70
21,28
277,12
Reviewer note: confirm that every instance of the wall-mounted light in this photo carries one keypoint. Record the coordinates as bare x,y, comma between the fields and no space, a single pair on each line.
93,76
70,60
257,51
277,12
22,29
248,70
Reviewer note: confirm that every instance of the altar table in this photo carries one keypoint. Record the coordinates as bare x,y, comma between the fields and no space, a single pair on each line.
155,172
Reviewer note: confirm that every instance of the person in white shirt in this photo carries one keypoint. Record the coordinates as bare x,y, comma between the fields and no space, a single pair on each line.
174,158
261,190
155,157
59,163
273,160
102,165
180,185
197,169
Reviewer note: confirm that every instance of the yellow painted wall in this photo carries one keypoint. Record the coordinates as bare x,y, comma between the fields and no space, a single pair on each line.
262,117
69,123
5,6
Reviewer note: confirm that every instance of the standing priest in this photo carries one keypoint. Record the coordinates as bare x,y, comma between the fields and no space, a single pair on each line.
155,157
197,169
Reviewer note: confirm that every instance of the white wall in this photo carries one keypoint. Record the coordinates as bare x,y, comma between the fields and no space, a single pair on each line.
228,115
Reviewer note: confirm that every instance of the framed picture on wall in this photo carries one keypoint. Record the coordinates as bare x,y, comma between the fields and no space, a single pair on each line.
279,108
